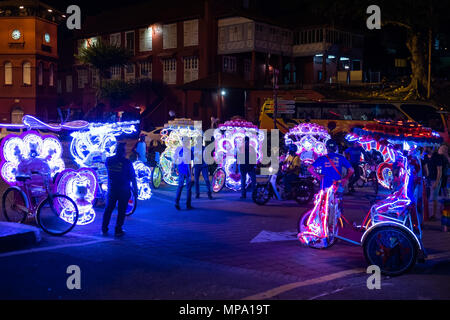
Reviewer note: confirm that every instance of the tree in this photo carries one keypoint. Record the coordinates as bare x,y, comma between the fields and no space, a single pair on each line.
103,56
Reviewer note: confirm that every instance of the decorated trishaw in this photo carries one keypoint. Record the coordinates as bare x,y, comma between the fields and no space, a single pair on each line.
229,140
390,234
173,135
91,147
31,164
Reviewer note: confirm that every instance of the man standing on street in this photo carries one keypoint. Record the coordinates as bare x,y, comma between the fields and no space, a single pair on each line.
184,175
354,155
121,178
247,166
200,166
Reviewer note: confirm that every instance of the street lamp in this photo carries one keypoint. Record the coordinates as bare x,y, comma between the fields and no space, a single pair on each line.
223,92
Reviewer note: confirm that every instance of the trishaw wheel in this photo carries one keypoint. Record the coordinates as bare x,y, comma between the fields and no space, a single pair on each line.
392,248
156,177
218,180
132,204
304,193
13,205
261,195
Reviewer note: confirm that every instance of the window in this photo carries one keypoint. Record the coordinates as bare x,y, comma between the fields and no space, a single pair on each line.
247,69
40,74
229,64
17,115
190,69
170,36
95,77
51,78
130,72
8,73
115,39
145,69
26,73
190,33
68,83
170,71
235,33
116,72
129,41
82,78
145,39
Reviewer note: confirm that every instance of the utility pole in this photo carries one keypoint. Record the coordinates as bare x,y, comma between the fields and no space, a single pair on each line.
275,97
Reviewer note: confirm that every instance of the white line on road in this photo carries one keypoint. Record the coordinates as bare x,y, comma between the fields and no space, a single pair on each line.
62,246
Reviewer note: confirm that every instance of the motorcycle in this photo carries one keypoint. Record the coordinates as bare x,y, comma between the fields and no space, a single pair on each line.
302,190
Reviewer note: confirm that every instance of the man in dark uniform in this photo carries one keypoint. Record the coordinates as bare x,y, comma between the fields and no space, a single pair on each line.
121,178
184,175
247,166
200,166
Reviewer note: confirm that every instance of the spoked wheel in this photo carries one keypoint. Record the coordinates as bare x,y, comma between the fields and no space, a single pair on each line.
218,180
57,215
132,204
261,195
14,205
391,248
156,177
304,193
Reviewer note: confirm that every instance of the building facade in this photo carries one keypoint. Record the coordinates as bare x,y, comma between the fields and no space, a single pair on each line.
28,60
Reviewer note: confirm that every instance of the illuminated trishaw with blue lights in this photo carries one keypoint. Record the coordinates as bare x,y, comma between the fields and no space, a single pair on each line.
229,140
91,147
390,234
172,135
31,163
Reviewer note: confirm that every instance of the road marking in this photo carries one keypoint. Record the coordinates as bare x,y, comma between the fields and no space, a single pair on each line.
438,256
291,286
15,253
270,236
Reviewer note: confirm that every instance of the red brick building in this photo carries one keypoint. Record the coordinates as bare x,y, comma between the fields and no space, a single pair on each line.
28,60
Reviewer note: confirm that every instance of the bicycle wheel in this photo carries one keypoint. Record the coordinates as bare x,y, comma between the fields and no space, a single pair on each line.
218,180
14,205
156,177
132,204
57,215
392,248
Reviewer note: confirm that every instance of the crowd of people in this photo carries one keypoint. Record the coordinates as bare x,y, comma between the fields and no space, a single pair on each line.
434,170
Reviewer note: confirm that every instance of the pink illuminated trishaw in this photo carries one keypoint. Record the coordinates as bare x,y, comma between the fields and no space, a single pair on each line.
390,234
229,141
30,164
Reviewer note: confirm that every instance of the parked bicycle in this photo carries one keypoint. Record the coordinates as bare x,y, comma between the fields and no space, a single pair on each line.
56,214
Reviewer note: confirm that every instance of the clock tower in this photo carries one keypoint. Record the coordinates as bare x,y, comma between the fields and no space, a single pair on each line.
28,60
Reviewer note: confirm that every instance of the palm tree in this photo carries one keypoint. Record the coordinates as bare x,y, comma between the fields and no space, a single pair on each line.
103,56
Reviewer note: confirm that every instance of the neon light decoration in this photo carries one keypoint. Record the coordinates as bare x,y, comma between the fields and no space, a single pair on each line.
29,145
90,148
172,136
229,140
316,232
310,140
30,122
81,186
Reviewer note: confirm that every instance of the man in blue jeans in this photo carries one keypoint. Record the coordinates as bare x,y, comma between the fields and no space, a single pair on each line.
183,161
247,166
200,166
121,177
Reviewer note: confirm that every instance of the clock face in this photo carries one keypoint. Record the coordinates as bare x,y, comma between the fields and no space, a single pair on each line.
47,37
16,35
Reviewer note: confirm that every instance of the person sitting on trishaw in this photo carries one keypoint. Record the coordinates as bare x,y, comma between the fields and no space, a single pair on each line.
291,168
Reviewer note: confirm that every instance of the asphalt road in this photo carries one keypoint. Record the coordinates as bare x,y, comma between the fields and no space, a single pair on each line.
224,249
